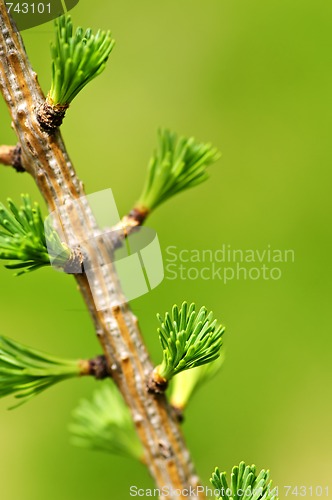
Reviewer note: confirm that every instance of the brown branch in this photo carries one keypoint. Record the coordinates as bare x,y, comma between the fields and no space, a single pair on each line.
127,225
136,217
10,156
46,159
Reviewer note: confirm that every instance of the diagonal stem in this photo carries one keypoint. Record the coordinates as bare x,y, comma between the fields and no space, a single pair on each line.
46,159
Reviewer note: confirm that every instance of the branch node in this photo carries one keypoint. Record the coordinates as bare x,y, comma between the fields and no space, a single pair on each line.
138,215
11,156
51,116
99,368
95,367
156,384
17,159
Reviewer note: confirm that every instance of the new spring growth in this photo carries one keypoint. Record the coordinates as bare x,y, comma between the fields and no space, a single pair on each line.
177,164
245,484
105,424
186,383
23,237
189,339
26,372
77,58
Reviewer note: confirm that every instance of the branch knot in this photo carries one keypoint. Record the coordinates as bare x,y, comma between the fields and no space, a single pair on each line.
99,368
51,116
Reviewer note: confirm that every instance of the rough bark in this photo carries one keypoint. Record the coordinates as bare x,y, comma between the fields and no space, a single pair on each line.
45,157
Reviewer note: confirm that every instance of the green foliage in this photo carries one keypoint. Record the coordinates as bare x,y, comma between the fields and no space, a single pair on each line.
23,238
26,372
245,484
76,59
105,424
186,383
177,164
188,339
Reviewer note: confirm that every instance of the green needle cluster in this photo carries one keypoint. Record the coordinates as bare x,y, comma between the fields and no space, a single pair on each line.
177,164
188,339
77,58
245,484
26,372
23,237
105,424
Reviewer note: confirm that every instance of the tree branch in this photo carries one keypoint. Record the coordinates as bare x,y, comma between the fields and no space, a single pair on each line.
128,223
10,156
126,226
47,160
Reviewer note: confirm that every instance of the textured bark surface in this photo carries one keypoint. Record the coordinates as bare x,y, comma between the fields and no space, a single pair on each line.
44,156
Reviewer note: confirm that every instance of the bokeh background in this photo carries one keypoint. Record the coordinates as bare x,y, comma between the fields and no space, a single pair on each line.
254,78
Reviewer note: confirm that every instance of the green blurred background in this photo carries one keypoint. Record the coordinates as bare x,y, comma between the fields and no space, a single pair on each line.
253,77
